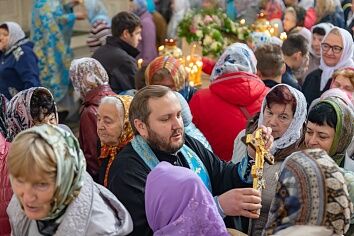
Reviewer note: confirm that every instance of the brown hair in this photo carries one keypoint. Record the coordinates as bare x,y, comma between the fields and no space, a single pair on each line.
281,95
270,60
346,72
139,108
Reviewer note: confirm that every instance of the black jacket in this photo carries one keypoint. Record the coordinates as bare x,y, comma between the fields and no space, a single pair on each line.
311,86
118,59
128,173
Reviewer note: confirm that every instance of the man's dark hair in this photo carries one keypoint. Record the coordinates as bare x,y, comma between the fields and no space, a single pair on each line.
269,60
42,104
139,107
293,44
124,21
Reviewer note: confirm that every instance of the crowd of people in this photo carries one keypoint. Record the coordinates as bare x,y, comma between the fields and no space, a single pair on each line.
155,155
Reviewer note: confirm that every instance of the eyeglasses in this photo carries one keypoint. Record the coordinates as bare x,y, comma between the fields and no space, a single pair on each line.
336,49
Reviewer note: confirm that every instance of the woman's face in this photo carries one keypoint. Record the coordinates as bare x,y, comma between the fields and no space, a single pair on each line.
289,21
319,136
278,117
316,43
332,49
343,83
49,120
35,196
4,39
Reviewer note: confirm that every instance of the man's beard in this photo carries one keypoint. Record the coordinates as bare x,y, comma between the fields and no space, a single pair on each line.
156,142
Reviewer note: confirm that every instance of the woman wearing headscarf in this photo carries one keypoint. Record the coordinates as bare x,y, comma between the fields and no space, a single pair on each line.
114,131
318,32
91,80
179,9
190,128
284,110
28,108
234,95
330,126
147,45
311,191
5,186
53,194
18,67
178,203
337,50
51,31
168,71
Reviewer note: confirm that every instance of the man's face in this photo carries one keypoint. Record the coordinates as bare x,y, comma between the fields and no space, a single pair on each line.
109,124
164,128
133,38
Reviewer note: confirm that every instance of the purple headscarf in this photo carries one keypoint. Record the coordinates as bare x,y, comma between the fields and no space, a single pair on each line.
178,203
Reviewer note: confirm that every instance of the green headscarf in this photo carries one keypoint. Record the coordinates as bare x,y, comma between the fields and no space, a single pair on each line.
344,129
71,165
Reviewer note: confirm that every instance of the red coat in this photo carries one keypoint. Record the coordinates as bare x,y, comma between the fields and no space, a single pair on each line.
216,110
5,188
88,137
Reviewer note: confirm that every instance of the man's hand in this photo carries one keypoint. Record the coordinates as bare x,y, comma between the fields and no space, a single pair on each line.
268,139
241,202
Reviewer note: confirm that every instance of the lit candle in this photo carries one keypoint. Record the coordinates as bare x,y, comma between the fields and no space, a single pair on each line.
283,36
140,63
242,21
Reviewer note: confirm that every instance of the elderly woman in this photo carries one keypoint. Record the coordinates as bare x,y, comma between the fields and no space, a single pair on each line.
168,71
90,79
293,22
178,203
30,107
311,198
114,131
284,110
344,80
18,67
53,194
330,126
336,52
234,95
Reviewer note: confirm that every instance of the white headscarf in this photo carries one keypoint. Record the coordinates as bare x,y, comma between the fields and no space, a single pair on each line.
326,27
236,57
294,131
345,60
15,33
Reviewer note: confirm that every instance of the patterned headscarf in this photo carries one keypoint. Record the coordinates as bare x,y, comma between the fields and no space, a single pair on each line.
346,60
237,57
19,112
294,131
344,129
178,203
125,137
15,33
71,165
3,123
86,74
311,190
171,64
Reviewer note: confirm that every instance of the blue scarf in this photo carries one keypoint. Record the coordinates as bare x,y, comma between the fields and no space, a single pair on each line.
150,159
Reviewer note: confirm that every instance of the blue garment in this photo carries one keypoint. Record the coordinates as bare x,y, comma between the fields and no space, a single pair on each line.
187,92
51,30
18,69
195,164
231,10
336,18
289,79
96,11
151,6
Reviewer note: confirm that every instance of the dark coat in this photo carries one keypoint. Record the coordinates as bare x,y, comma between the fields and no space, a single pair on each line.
88,137
118,59
311,86
18,69
127,178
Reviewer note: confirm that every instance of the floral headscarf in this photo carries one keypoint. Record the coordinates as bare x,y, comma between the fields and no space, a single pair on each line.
294,131
71,165
171,64
3,123
86,74
311,190
346,60
237,57
19,111
15,33
125,137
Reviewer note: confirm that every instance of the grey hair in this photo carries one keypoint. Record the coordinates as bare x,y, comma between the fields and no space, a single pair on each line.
115,101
